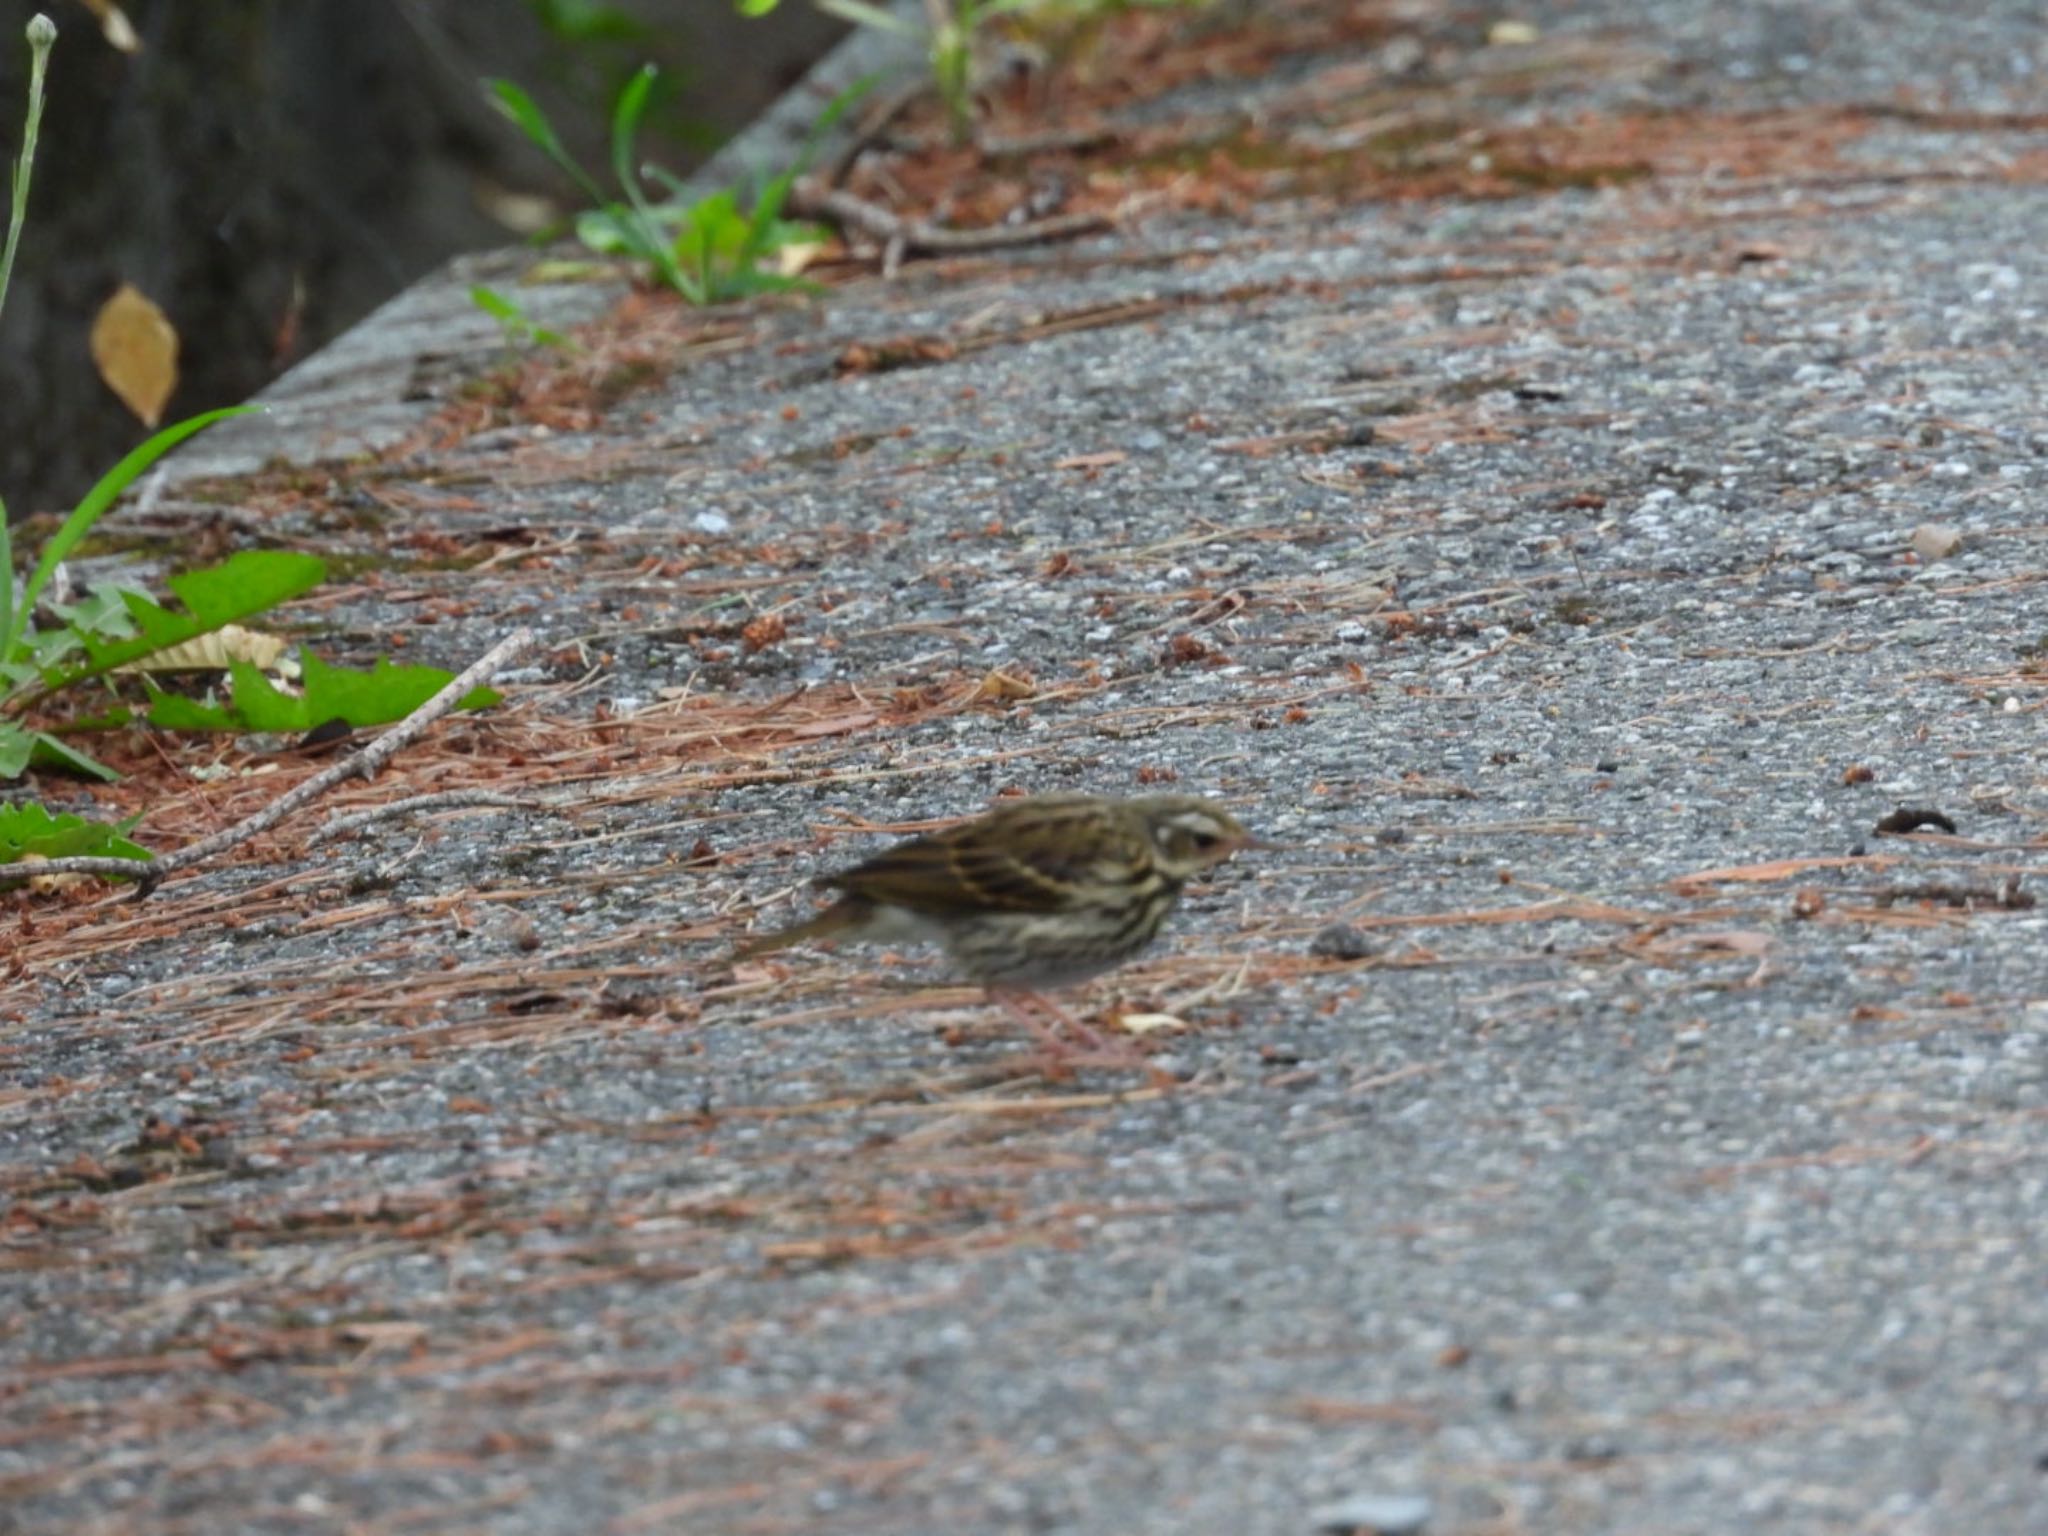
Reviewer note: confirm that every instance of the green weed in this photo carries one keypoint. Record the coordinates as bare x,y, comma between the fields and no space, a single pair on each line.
708,250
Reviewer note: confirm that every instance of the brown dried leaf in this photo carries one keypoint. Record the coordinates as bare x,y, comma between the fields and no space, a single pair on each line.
897,352
135,349
1184,648
769,629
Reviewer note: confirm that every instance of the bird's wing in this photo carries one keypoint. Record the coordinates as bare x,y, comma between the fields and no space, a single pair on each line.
1044,855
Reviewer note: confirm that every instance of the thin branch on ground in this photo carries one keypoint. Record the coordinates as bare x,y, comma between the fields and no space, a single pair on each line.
873,124
996,146
813,198
360,764
442,800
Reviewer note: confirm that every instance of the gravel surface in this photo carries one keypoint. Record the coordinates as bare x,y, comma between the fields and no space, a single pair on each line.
1587,1122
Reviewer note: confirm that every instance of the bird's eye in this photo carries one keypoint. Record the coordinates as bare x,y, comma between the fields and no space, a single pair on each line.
1204,841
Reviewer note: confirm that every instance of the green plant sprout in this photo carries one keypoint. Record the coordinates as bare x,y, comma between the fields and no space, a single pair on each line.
513,320
709,251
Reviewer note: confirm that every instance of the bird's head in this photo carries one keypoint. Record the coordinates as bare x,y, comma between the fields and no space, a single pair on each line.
1189,835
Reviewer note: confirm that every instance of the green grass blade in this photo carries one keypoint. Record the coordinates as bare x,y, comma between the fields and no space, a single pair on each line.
862,14
53,753
626,114
94,506
513,101
17,745
533,122
496,305
6,584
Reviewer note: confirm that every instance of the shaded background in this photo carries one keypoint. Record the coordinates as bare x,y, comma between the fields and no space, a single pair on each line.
269,170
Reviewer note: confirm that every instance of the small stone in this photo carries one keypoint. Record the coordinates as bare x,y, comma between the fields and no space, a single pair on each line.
1375,1514
1402,55
713,522
1340,941
1936,541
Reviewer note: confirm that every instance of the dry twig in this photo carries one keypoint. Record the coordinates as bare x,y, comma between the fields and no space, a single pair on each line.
363,763
873,124
815,198
447,799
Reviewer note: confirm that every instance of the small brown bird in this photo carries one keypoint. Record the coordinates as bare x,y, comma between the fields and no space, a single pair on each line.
1041,892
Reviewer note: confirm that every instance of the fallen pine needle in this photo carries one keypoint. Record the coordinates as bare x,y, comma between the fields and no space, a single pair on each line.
1049,1104
1776,869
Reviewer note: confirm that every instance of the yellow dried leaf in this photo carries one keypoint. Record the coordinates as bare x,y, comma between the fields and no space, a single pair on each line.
215,652
48,885
1150,1023
136,352
1005,685
524,213
114,25
793,259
